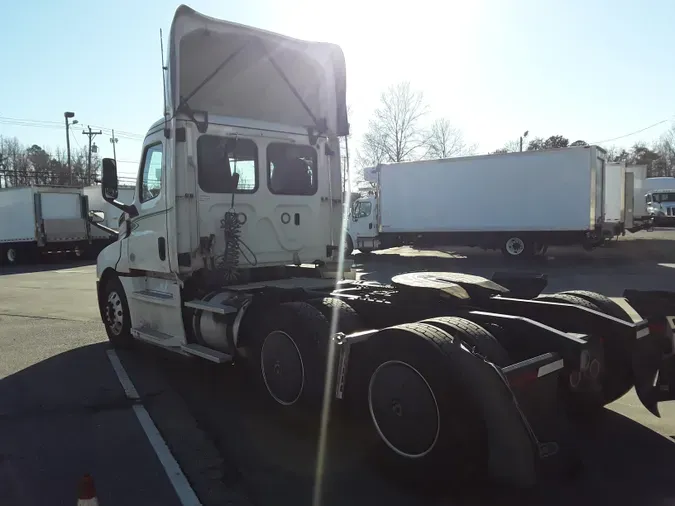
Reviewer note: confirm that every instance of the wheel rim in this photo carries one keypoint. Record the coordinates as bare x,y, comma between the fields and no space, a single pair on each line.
115,313
515,246
11,255
404,409
282,368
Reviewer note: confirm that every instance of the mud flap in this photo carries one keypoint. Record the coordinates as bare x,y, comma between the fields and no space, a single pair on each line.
654,367
519,404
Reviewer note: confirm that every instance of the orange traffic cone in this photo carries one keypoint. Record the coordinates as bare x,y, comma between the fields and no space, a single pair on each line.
87,493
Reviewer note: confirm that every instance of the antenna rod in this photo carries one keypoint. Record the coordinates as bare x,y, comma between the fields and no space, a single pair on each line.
161,48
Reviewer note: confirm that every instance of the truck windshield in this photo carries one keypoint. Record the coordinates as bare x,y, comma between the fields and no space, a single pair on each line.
220,157
291,169
664,197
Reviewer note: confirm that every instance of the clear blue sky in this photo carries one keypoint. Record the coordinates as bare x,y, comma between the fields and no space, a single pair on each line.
591,70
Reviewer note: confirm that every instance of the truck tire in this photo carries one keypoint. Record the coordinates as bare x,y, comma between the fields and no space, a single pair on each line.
348,319
426,425
606,305
617,379
115,313
349,245
289,349
517,247
474,336
11,255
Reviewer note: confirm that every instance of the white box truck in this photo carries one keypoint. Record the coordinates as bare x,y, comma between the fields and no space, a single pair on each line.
230,252
517,202
36,220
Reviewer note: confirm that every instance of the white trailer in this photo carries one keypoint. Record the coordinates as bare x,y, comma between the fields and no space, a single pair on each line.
615,199
36,220
517,202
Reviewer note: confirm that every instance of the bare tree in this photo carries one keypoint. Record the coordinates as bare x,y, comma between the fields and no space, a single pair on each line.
394,133
444,141
509,147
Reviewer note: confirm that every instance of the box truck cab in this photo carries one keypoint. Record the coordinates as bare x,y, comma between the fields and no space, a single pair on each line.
362,229
661,206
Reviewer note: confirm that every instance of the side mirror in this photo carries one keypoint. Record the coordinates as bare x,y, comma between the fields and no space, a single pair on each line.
109,184
109,187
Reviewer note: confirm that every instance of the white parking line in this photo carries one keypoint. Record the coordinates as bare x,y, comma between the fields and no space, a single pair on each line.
173,471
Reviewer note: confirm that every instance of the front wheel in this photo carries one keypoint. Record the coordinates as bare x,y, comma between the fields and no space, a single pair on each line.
115,313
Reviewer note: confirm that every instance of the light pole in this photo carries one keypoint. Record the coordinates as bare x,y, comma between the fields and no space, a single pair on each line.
68,115
521,139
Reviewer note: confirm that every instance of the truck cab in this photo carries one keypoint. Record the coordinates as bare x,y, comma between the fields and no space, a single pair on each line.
661,205
362,229
234,187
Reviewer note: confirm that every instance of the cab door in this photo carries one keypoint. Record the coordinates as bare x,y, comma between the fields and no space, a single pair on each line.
362,224
148,244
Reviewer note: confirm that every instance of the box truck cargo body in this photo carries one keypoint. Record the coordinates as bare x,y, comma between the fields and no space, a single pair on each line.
615,198
517,202
37,220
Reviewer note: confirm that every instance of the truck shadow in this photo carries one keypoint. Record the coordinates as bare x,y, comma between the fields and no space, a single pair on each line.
623,462
615,254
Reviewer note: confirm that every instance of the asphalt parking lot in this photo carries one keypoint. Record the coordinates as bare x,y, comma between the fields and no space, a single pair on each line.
63,412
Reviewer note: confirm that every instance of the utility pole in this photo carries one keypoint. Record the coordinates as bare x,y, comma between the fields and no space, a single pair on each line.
91,136
113,141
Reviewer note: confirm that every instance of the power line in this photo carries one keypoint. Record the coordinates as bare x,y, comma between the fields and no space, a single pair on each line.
632,133
56,125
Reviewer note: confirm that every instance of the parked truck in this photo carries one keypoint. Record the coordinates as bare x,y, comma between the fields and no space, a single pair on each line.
519,203
41,219
231,252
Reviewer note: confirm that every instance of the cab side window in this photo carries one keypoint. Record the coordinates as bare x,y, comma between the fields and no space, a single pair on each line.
364,209
151,183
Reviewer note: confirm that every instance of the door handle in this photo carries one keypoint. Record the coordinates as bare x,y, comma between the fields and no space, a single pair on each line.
370,225
161,246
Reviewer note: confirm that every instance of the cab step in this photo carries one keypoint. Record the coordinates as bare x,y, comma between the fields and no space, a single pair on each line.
155,337
206,353
210,307
154,297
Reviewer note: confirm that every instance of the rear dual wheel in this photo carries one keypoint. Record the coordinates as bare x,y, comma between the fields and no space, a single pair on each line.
617,378
425,422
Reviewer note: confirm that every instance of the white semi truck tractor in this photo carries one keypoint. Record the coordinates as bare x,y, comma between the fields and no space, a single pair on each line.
230,252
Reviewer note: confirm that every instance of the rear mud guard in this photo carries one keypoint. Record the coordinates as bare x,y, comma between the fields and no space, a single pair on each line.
654,367
520,407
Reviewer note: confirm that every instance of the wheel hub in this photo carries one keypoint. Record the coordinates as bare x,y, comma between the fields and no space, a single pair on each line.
403,409
515,246
282,368
114,313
